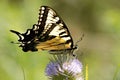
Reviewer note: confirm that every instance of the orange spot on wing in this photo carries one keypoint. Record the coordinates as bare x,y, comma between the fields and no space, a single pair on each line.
55,44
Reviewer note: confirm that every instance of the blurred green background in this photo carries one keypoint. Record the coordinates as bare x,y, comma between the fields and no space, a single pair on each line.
98,20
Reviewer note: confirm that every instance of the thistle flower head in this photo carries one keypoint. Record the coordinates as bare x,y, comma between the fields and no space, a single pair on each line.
52,69
74,66
61,68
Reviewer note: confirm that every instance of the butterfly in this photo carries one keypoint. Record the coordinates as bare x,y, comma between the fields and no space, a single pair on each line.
50,33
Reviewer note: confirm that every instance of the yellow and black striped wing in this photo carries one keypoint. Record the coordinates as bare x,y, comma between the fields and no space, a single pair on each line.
50,33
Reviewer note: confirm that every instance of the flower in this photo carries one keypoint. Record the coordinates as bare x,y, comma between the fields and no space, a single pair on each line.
52,69
73,66
64,69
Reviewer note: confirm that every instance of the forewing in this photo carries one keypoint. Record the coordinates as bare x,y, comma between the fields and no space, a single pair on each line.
55,35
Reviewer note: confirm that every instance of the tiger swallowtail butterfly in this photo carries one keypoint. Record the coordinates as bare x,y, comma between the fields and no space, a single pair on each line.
50,33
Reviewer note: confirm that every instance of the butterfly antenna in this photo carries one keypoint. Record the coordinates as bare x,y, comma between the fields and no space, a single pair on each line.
75,46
